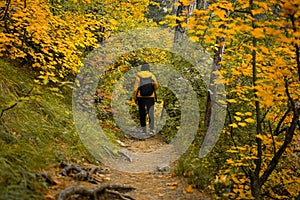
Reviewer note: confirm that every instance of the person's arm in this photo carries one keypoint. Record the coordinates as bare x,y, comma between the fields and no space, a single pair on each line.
155,83
135,88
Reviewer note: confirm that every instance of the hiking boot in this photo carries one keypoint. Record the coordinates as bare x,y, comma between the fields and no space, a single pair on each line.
142,136
151,133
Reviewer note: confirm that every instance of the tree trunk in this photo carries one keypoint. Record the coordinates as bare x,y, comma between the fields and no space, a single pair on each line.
256,188
212,88
179,30
5,16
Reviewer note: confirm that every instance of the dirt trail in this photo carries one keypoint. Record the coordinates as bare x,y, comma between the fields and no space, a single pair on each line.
151,186
158,184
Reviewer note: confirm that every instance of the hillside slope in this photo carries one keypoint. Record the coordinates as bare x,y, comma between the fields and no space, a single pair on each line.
36,130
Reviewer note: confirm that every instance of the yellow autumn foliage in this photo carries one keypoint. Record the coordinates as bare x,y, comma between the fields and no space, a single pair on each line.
261,72
54,40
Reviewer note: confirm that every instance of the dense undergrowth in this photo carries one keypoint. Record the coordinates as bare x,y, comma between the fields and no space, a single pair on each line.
36,130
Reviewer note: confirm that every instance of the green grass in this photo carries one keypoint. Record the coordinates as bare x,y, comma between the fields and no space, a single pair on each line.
37,132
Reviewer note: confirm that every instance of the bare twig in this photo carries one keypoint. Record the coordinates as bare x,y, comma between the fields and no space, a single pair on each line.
8,108
277,130
273,140
13,105
247,173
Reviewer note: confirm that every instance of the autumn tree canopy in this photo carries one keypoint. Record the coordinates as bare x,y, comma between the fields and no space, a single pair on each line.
54,36
260,67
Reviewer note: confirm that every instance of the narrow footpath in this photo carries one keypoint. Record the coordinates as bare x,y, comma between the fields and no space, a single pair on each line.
159,184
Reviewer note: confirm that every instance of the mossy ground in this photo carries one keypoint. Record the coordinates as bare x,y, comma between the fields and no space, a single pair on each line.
36,130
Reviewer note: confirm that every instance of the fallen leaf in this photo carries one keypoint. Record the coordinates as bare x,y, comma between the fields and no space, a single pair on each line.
49,196
173,188
172,184
189,189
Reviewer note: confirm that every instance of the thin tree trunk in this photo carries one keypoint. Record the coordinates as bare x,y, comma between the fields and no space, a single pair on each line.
292,17
255,180
201,4
256,184
179,30
5,16
24,29
212,88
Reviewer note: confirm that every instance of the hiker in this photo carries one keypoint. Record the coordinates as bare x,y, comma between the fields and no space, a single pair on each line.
144,96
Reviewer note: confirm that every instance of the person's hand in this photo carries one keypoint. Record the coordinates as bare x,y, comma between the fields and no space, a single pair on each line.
134,102
131,102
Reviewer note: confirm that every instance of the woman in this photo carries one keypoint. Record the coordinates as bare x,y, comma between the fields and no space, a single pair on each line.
145,96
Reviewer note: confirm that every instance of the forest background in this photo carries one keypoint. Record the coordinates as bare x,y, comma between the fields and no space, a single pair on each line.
254,46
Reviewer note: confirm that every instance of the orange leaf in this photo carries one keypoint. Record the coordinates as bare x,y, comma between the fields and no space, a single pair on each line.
258,33
189,189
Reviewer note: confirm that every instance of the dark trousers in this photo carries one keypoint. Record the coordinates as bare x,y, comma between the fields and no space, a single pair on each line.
146,106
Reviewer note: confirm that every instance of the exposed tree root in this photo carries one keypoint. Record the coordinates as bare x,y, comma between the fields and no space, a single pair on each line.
104,192
80,173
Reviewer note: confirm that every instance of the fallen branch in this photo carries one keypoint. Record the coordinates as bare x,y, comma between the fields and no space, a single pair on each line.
15,103
110,191
5,109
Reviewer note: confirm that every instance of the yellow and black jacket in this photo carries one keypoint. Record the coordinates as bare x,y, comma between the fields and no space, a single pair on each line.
144,74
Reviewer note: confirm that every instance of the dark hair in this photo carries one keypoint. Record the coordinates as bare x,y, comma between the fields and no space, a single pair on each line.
145,67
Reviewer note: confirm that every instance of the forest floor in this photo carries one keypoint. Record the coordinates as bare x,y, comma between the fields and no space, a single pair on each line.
154,185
